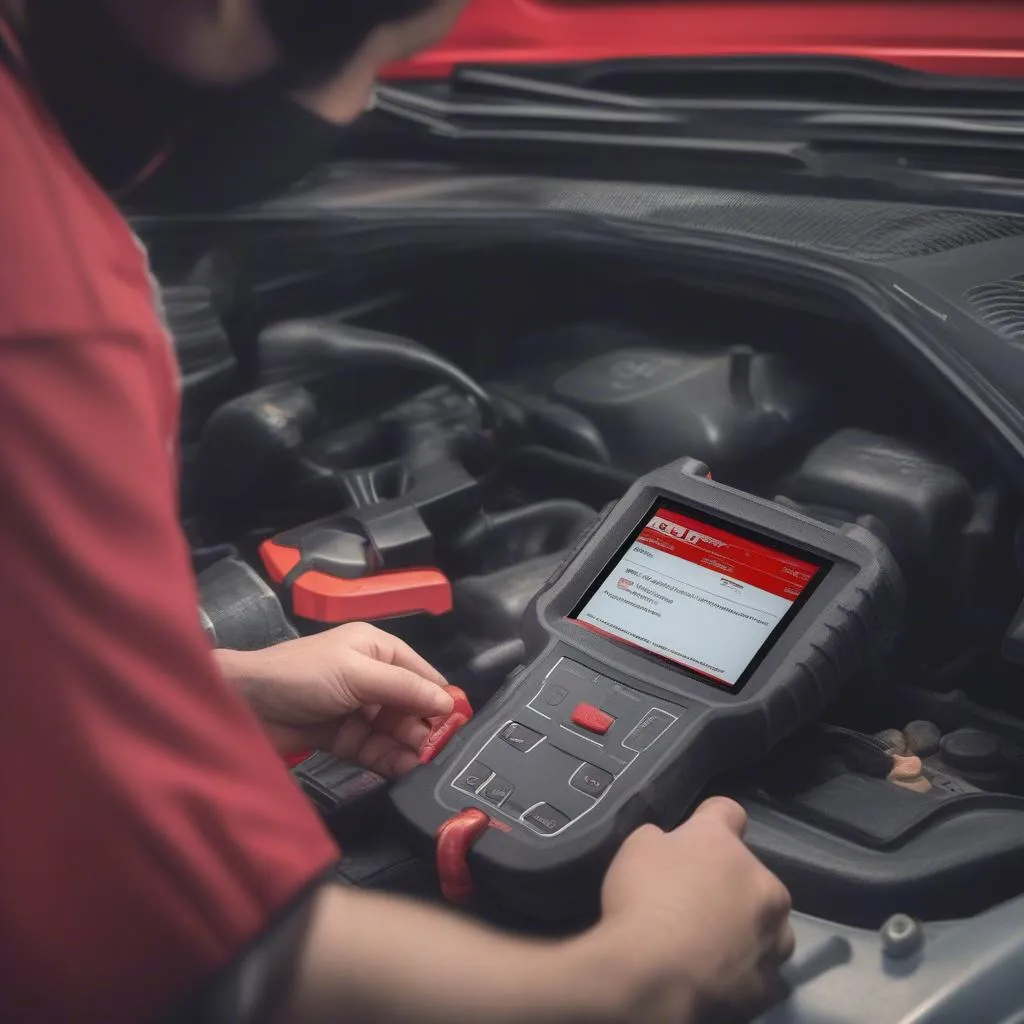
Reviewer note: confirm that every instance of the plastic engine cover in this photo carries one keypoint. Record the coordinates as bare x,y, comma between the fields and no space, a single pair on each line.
939,527
649,404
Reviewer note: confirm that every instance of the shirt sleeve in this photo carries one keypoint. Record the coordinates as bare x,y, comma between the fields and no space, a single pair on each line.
149,831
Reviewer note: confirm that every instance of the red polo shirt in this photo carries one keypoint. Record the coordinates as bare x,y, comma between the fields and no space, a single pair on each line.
148,832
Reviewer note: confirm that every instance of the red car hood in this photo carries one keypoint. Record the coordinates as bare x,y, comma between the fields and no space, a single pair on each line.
963,37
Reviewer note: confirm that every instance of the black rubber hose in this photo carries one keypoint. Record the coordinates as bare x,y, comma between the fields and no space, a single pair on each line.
295,350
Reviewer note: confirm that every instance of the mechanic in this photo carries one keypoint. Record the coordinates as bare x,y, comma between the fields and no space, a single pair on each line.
157,860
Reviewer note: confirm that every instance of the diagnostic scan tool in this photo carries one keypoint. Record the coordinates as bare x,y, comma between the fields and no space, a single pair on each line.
693,629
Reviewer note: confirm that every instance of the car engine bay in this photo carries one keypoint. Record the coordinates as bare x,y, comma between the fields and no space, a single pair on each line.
427,456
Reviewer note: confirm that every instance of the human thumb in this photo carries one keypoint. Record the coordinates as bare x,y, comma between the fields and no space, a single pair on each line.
372,682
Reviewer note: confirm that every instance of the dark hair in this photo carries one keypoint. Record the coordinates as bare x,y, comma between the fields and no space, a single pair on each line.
317,37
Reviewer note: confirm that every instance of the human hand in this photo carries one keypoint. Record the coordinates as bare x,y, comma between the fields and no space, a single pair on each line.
345,96
701,921
355,691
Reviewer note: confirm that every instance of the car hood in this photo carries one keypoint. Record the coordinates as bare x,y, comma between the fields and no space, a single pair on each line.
976,39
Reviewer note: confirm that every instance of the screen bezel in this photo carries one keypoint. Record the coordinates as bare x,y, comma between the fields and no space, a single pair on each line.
740,530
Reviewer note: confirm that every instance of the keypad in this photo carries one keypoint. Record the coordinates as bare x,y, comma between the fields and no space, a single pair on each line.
577,735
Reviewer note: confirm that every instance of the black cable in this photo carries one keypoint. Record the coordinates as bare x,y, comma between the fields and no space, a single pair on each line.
307,349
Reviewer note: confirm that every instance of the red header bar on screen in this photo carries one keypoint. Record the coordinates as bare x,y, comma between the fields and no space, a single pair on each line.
743,560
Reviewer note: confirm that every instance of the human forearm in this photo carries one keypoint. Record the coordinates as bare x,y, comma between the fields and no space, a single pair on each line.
380,959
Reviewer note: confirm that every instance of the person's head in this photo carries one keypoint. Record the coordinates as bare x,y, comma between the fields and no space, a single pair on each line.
333,46
247,94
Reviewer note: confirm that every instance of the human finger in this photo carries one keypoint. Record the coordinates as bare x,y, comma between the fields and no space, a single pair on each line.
404,729
369,681
723,811
350,738
385,756
784,945
393,651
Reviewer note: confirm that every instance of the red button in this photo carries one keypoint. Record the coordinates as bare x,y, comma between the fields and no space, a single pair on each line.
586,716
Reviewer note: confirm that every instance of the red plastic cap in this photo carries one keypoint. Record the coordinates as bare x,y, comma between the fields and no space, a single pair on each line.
440,736
454,839
279,560
445,728
329,599
462,705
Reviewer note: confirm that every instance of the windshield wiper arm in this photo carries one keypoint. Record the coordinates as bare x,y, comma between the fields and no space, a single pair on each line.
505,83
913,121
580,127
508,98
449,108
501,111
777,86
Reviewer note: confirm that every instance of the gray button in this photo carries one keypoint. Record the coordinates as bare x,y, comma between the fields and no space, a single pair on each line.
497,790
520,737
553,695
591,780
650,729
546,819
474,777
621,702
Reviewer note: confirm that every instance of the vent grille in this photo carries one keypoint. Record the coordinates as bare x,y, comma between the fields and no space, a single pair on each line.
866,231
861,230
1000,306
